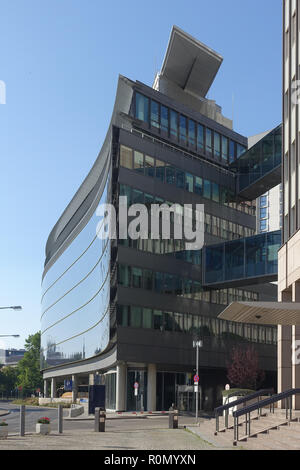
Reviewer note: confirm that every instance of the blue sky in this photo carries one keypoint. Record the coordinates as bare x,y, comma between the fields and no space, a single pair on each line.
60,60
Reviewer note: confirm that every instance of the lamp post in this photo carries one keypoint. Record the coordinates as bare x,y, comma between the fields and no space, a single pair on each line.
15,307
9,336
197,345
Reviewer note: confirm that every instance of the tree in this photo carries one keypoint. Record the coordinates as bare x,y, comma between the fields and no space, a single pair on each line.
8,379
29,374
243,370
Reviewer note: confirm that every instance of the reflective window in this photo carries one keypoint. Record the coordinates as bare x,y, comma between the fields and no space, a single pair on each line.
149,166
136,317
208,145
192,133
147,318
160,170
224,149
155,114
164,119
170,174
215,192
136,277
180,179
198,185
126,157
231,151
142,107
138,162
206,189
200,137
189,182
183,129
174,124
217,145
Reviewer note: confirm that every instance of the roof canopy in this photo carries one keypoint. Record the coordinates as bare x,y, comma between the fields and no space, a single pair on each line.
189,63
263,313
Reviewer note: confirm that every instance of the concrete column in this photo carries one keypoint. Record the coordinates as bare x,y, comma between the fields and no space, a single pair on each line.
121,387
53,387
295,353
46,393
74,388
151,388
91,379
284,351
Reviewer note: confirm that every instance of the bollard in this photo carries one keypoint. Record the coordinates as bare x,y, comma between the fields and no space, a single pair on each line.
102,420
22,420
173,418
60,419
100,417
97,418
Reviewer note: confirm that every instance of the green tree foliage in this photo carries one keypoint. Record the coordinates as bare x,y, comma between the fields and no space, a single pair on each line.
8,379
29,374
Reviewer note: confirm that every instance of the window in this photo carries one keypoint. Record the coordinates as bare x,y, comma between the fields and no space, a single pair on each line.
224,149
149,166
217,145
160,170
169,284
208,141
264,201
263,225
142,107
136,317
180,179
137,197
231,151
136,278
147,318
126,157
183,130
155,114
164,119
158,319
200,137
148,279
206,189
192,133
215,192
198,185
158,282
138,163
124,275
240,149
189,182
170,175
264,213
174,124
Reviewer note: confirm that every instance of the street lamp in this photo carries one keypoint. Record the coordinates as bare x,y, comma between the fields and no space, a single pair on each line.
18,307
197,345
9,336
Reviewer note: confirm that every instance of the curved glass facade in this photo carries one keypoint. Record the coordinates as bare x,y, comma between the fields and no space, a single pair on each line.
75,298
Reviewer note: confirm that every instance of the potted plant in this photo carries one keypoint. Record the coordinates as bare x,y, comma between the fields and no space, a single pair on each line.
43,426
3,430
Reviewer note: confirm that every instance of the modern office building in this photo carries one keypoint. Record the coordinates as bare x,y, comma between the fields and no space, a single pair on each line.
286,312
11,357
120,312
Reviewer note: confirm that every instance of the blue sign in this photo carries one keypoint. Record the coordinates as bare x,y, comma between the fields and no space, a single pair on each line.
68,385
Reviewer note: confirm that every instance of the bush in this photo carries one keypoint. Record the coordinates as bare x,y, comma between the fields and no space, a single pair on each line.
3,423
237,391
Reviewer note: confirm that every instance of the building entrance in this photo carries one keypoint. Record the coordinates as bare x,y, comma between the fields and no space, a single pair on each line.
186,398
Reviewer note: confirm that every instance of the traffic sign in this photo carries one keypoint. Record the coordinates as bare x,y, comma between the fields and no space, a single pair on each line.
196,379
136,385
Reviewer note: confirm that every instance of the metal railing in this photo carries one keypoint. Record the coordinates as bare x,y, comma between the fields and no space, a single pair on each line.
241,401
269,402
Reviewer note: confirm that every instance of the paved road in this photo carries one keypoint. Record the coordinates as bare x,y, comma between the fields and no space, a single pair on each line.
121,434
